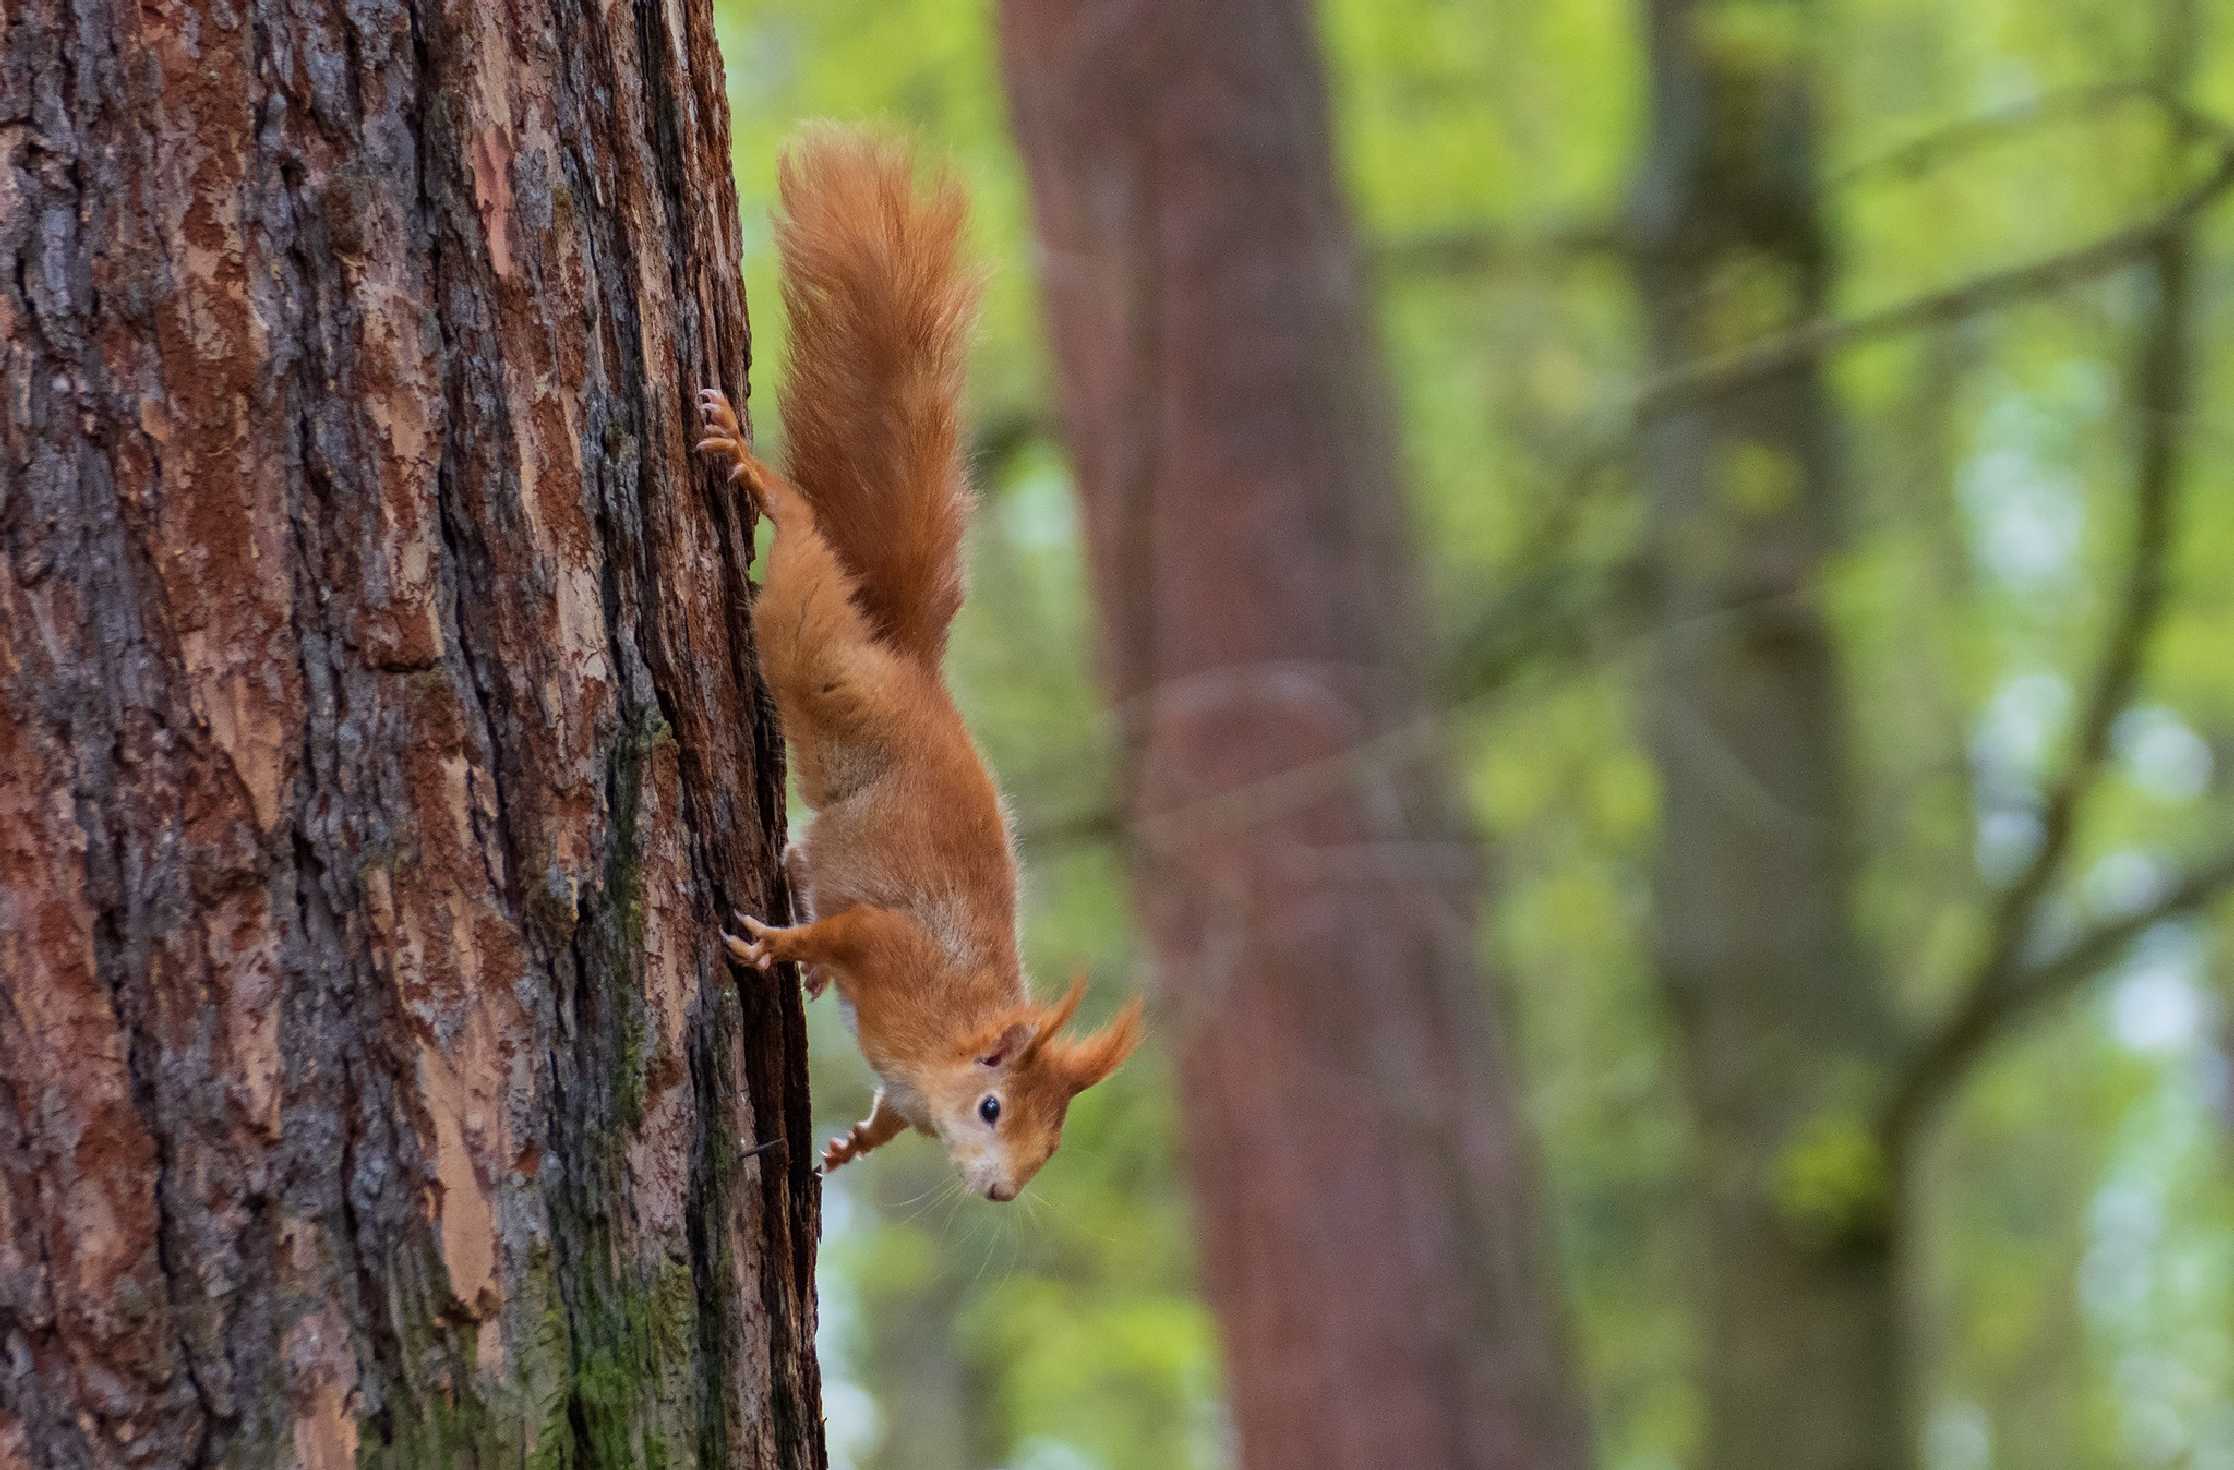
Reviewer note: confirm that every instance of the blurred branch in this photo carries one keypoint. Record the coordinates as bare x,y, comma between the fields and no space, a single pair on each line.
1547,612
1921,154
1986,1014
1552,612
1991,291
2120,667
1553,605
2001,988
1553,609
1465,251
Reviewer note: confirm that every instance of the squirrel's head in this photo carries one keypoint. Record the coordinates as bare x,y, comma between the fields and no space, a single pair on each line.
1000,1109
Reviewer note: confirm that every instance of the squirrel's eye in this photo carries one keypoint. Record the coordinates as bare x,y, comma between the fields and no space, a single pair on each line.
990,1110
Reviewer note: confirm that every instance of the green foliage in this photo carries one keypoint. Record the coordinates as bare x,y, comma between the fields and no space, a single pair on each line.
1833,1183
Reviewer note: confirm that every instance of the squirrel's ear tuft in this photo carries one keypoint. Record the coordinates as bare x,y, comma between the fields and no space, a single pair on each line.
1089,1061
1057,1016
1008,1044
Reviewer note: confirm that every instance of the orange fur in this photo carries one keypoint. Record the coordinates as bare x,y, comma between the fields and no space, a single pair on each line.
880,310
906,879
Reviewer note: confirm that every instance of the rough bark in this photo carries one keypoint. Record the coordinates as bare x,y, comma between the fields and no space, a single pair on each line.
1367,1203
1783,1025
379,739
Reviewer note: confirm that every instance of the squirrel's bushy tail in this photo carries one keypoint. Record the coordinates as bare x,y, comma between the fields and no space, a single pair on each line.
881,306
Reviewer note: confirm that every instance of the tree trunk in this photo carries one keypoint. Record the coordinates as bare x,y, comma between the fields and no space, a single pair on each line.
1368,1206
380,738
1784,1026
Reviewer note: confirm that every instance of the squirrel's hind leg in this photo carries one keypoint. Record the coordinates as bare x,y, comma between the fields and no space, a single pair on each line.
725,441
770,945
816,645
854,946
802,907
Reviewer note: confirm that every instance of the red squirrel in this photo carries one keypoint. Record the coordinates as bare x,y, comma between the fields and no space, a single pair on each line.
905,883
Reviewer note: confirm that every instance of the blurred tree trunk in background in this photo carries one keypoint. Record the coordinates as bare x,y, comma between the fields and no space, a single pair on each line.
1369,1210
1812,1092
1783,1025
379,740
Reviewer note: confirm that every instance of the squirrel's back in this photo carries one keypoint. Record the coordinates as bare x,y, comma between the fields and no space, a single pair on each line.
881,306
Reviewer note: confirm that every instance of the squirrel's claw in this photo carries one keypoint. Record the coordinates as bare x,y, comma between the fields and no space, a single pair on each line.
756,951
723,433
762,950
754,954
724,438
713,406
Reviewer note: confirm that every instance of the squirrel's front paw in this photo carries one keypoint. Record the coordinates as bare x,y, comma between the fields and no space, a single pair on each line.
837,1152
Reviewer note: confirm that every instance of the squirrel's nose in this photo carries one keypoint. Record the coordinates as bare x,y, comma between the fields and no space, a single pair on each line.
1001,1192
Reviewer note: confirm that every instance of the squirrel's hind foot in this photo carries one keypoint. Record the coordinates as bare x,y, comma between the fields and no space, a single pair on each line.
768,945
725,440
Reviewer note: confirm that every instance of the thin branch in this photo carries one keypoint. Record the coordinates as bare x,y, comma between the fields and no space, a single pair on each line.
2060,104
1711,376
1469,250
1551,601
1551,612
2162,375
1986,1015
1998,987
